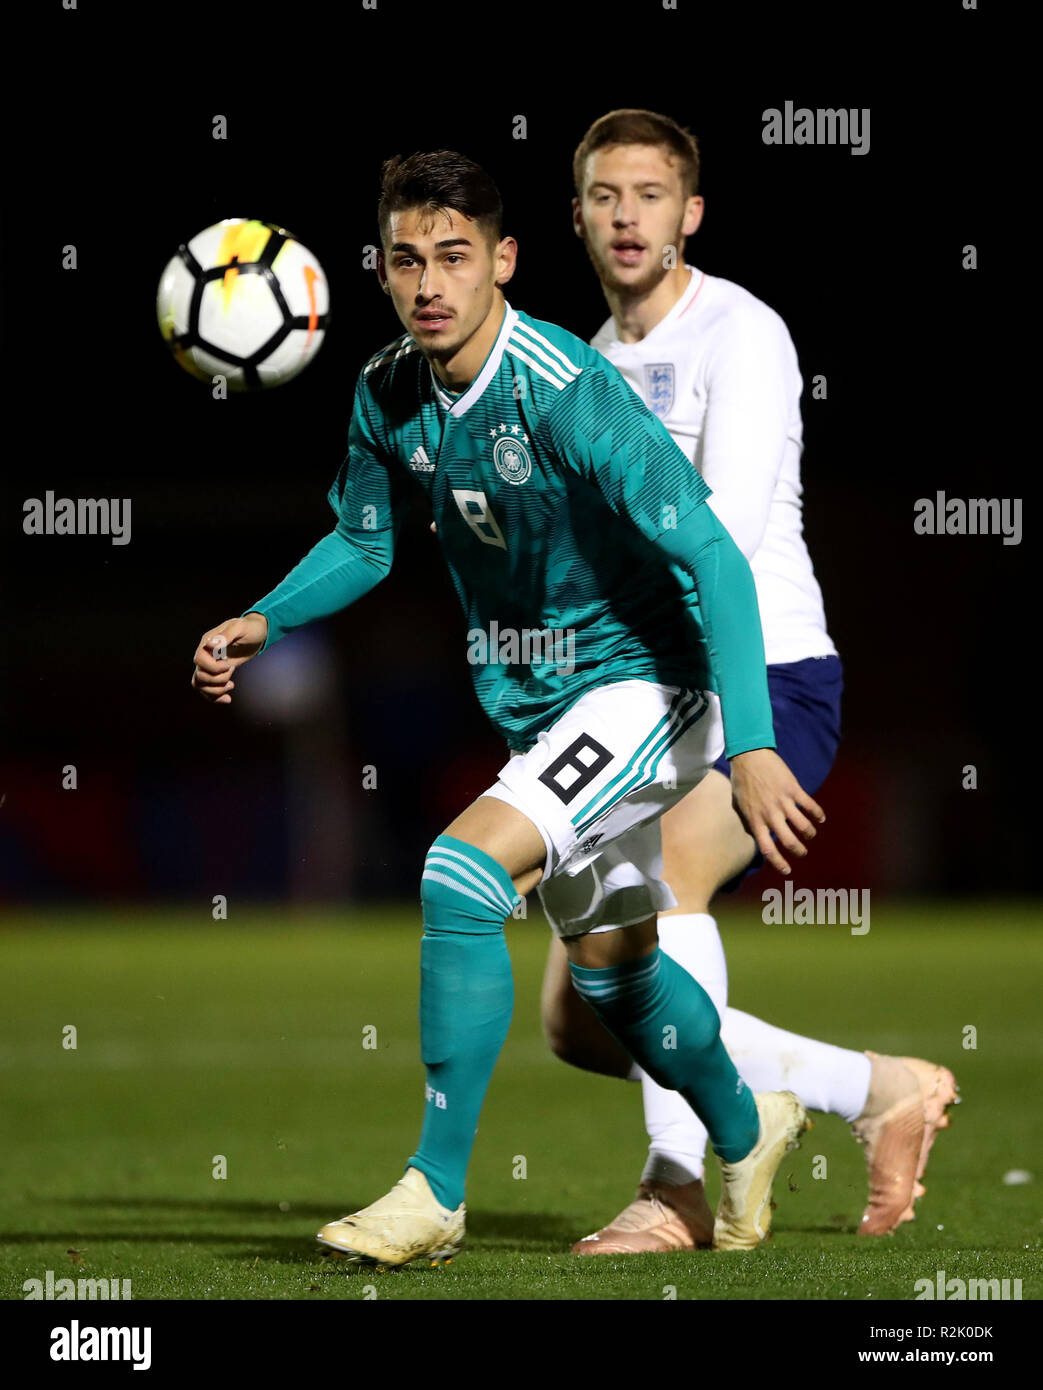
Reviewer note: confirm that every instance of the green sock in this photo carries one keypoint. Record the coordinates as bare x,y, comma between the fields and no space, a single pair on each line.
669,1025
466,1002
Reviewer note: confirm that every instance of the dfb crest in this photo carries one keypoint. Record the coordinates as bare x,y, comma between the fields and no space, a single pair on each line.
512,459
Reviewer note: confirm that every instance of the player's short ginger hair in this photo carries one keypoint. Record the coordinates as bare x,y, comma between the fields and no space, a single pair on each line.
633,126
439,180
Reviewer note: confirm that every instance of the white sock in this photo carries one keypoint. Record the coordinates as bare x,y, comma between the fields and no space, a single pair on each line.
677,1147
828,1078
832,1079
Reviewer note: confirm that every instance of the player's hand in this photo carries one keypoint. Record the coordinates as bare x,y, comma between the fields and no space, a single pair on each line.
769,800
221,650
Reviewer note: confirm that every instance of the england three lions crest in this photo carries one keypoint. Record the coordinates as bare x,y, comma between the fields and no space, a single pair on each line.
659,387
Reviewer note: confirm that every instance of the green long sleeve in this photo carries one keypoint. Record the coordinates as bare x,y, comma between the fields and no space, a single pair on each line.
333,574
369,497
731,621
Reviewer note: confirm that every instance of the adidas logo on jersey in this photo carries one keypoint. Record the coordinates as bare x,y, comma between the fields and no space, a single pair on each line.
420,463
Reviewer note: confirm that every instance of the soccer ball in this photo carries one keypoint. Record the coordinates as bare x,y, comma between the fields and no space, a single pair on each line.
245,300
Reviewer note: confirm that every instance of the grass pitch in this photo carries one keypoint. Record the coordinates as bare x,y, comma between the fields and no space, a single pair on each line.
245,1040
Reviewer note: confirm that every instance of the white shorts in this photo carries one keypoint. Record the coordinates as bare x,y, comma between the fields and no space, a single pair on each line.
595,785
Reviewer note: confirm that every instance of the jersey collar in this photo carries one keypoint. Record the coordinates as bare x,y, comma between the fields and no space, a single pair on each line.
459,405
695,284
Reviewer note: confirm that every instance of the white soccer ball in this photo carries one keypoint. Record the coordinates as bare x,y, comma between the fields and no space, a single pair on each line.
246,301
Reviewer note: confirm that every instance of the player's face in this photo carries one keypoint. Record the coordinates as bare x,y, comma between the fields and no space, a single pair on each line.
441,271
632,209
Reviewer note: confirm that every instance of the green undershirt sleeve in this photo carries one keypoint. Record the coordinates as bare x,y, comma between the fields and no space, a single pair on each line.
370,497
333,574
731,621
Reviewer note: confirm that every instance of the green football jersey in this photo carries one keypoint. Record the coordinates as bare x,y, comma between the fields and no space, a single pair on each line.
562,505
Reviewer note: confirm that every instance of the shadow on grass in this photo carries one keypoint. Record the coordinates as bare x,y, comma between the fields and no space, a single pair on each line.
83,1241
838,1228
213,1205
492,1222
551,1232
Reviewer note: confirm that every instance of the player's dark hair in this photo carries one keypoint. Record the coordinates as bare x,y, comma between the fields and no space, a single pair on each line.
439,180
632,126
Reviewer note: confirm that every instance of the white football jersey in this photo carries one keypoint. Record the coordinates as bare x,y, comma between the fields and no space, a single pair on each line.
720,370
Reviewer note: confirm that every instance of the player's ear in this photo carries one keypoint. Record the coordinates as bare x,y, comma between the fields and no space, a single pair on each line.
506,258
693,215
382,274
577,218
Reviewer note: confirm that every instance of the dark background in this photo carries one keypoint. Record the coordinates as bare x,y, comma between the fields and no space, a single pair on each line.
861,255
